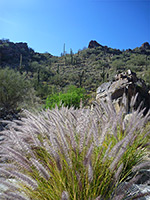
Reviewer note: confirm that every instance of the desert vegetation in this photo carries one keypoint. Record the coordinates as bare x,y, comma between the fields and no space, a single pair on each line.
72,97
88,68
16,92
75,154
55,145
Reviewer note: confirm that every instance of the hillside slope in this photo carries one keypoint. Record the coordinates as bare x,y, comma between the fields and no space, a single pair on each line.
88,68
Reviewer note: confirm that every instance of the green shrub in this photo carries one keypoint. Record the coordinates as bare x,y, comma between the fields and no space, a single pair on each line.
73,154
15,91
72,97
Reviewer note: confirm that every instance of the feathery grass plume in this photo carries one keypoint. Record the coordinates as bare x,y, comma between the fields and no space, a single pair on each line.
25,179
8,166
44,173
74,154
9,185
133,100
118,172
99,198
142,165
65,195
79,180
106,153
11,195
90,172
5,173
88,155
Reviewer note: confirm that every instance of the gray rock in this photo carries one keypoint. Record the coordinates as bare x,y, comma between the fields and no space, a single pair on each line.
103,87
145,179
139,189
125,83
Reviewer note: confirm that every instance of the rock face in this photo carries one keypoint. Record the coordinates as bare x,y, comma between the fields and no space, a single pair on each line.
93,44
11,54
125,83
145,45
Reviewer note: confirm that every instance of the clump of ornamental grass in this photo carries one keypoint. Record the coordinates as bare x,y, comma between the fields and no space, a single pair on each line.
73,154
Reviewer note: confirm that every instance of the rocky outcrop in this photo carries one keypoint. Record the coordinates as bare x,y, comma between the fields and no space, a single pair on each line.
125,83
93,44
11,54
145,46
136,189
16,54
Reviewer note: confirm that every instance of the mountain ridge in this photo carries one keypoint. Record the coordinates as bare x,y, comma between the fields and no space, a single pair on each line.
87,68
95,44
92,44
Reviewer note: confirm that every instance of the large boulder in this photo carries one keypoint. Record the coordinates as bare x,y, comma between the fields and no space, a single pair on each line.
125,83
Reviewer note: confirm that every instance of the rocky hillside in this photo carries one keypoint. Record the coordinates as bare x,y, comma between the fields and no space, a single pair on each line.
16,54
87,68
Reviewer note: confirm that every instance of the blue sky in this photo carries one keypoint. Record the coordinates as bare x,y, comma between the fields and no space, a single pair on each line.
47,24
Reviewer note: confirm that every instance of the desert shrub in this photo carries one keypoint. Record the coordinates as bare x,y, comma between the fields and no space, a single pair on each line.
118,64
15,91
71,97
73,154
147,75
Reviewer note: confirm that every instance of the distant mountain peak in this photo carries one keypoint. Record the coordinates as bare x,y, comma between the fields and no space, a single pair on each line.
93,44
